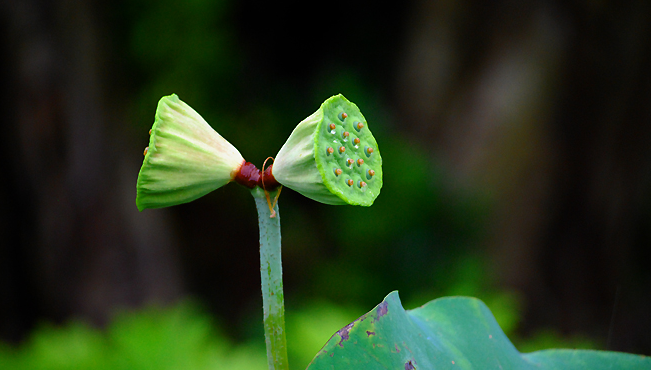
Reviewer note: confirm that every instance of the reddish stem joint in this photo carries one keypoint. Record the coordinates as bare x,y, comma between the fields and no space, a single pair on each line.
250,176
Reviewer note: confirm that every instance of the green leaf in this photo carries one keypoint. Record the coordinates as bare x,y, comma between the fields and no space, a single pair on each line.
447,333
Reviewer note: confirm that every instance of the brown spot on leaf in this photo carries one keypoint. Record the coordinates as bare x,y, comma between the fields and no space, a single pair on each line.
397,349
382,310
369,333
343,333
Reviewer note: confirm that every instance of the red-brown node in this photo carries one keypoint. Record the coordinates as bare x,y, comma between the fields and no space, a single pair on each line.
248,175
270,182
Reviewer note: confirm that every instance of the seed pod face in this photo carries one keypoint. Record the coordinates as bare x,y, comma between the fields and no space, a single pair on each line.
330,155
186,158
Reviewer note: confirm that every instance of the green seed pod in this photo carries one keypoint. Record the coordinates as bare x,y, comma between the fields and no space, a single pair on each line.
185,159
332,157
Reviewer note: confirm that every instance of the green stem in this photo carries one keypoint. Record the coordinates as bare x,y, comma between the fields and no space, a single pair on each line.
271,271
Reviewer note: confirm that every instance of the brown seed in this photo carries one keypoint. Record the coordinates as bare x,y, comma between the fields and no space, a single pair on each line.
338,171
149,131
350,182
332,126
359,126
356,141
361,184
371,173
345,134
146,150
342,149
330,150
369,150
360,162
350,161
343,115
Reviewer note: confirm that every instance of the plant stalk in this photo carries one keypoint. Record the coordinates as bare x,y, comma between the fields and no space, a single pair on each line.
271,272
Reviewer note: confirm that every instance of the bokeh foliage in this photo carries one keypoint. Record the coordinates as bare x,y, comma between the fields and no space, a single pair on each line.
186,336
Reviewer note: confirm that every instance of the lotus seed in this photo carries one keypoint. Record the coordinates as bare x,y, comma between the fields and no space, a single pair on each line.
356,141
350,162
359,126
146,150
149,131
345,135
332,126
350,182
370,174
368,151
342,149
342,116
330,150
338,171
361,184
360,162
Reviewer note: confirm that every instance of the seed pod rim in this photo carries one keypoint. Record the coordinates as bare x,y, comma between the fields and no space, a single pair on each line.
322,165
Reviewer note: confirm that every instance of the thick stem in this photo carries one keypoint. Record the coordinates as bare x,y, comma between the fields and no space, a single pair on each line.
271,271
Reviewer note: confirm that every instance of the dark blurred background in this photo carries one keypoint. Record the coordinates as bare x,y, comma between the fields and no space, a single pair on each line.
516,139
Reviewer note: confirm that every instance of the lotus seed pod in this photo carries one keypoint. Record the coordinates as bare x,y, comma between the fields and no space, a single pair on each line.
329,156
185,159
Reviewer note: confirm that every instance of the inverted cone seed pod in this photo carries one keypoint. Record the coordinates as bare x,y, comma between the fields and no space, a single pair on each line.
332,157
185,159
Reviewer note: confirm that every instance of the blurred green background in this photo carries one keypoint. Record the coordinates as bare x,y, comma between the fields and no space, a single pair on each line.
517,159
